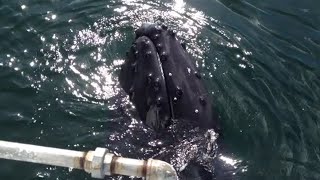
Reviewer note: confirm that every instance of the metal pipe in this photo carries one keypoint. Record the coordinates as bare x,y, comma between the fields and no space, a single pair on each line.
40,154
99,163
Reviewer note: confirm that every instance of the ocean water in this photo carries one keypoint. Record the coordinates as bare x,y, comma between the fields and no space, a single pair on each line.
59,62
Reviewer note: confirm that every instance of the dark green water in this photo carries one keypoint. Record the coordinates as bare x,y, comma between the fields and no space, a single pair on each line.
59,62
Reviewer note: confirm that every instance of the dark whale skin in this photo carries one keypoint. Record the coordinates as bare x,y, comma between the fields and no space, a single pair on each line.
142,78
181,95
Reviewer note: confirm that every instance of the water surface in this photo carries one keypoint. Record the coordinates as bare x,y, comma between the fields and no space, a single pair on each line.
59,62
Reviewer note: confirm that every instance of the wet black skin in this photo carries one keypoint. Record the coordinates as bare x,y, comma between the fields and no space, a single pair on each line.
163,82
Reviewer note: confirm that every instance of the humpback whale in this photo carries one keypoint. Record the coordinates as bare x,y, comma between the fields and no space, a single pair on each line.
163,82
167,89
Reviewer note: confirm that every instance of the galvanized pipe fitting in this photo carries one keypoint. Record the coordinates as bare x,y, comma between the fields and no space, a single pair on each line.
99,162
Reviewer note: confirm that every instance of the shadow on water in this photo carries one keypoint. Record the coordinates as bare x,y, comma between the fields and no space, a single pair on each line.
59,63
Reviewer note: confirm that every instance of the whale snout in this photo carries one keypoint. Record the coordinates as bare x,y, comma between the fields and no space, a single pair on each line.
163,82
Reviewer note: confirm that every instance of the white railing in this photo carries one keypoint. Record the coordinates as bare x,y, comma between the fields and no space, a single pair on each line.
99,162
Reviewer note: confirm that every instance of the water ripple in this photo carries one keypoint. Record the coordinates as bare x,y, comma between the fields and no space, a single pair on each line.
59,63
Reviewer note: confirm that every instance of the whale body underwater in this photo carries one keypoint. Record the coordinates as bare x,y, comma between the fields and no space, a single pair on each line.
163,82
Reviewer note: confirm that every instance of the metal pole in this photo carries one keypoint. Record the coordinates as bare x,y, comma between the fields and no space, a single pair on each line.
41,155
99,163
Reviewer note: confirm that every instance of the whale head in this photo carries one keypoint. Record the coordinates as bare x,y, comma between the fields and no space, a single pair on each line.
163,82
